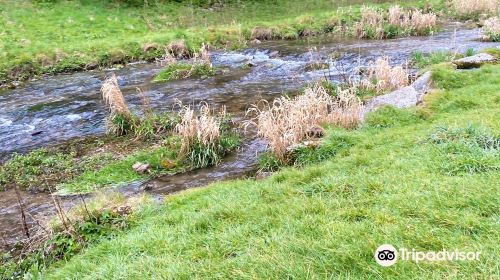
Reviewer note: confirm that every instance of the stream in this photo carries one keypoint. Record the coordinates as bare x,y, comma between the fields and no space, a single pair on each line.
52,110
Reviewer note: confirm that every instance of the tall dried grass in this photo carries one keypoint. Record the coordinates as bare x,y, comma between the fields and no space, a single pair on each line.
200,134
491,29
286,121
414,20
178,49
261,33
113,97
382,76
468,8
374,24
372,21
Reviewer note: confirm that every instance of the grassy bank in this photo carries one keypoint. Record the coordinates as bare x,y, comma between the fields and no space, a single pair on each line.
66,36
421,178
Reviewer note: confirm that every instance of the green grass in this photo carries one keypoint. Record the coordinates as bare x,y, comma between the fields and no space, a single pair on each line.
178,71
423,60
120,172
70,36
325,220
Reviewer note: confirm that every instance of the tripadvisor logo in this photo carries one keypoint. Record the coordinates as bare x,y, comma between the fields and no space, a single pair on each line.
387,255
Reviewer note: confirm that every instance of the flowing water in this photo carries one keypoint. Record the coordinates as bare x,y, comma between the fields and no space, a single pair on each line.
53,110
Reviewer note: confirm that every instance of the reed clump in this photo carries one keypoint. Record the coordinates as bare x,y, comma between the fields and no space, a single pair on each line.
122,122
491,29
381,76
287,121
473,9
204,135
378,24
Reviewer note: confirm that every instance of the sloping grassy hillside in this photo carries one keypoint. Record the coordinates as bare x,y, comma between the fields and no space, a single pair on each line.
423,178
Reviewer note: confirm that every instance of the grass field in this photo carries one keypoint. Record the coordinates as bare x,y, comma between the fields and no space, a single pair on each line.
65,36
423,178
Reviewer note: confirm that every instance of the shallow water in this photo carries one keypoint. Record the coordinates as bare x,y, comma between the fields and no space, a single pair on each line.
52,110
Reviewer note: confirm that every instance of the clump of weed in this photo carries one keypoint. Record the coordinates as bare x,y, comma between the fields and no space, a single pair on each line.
377,24
422,60
180,71
472,9
122,122
204,137
470,149
200,67
120,119
261,33
412,22
491,29
382,77
288,121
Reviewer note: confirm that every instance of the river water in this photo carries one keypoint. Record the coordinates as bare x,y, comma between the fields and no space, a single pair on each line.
52,110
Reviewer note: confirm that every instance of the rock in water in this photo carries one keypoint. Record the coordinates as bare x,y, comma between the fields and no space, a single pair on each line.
474,61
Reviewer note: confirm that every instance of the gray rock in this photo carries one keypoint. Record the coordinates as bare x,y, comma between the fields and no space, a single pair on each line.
423,84
474,61
401,98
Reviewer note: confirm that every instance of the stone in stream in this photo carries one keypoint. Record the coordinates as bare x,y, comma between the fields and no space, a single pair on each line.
403,97
474,61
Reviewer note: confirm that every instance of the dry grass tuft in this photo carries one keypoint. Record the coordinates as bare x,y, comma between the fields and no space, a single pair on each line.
178,49
415,20
383,77
373,23
371,19
468,8
203,56
261,33
491,29
287,121
201,135
113,96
